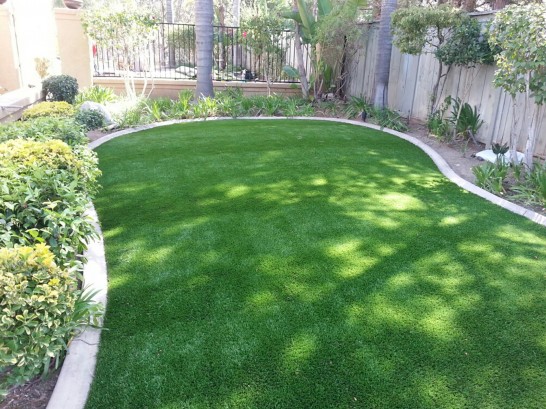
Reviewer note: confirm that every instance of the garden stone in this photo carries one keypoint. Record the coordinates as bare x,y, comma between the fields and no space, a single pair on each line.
95,106
489,156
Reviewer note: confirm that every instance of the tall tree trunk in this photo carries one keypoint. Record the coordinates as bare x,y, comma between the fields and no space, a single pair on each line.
299,56
204,31
384,50
169,16
499,4
301,65
236,11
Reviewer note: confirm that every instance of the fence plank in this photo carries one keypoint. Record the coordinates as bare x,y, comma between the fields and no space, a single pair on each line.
411,83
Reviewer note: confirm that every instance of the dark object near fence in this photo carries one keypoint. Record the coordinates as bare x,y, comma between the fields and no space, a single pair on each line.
364,115
249,75
171,54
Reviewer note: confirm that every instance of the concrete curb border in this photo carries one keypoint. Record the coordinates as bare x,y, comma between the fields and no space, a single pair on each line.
440,162
78,368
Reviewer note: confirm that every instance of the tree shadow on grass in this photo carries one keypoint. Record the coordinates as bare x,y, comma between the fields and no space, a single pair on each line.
344,282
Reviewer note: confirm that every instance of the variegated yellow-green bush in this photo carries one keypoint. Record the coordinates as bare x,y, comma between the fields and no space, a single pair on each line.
40,310
44,129
45,188
58,109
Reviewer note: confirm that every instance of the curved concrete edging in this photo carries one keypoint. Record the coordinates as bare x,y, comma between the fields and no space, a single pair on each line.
78,368
443,166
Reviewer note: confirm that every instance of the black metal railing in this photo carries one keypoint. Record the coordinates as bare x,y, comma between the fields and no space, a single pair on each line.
237,55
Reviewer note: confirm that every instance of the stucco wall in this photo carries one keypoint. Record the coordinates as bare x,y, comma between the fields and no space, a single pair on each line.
74,46
27,32
171,88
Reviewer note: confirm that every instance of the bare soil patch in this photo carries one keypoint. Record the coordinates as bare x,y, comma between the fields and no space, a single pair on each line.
34,394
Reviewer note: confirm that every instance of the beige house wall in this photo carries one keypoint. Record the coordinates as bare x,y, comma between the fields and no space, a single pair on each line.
10,78
74,46
170,88
27,32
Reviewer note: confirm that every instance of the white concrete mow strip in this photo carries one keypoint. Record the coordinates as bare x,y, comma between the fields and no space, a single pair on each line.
78,368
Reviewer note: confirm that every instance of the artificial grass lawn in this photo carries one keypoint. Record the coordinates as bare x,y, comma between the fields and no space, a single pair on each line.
305,264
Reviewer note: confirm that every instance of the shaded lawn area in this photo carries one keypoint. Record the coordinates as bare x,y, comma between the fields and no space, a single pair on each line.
305,264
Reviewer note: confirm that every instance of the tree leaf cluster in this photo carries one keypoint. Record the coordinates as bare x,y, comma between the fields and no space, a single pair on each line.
424,29
519,31
466,46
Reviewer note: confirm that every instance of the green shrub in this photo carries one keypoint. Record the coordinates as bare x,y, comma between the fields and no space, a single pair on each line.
387,118
60,88
45,109
89,119
437,125
205,107
465,119
491,176
41,310
133,116
96,93
356,106
160,109
532,189
44,129
45,188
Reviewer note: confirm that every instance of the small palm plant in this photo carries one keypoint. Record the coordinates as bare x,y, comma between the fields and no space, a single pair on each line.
465,119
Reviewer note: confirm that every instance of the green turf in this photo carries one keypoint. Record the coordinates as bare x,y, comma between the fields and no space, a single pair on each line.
304,264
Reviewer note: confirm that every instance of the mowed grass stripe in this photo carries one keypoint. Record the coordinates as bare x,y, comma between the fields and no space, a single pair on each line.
304,264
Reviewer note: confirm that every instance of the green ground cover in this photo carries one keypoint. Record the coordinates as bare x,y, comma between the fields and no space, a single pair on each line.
305,264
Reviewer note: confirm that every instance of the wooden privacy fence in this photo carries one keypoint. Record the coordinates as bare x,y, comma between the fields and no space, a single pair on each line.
412,79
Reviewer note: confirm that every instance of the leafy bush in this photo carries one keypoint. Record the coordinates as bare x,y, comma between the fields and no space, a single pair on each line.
466,46
465,119
44,129
532,189
89,119
133,115
491,176
230,102
41,310
356,106
44,109
60,88
387,118
437,125
159,109
96,93
45,188
205,107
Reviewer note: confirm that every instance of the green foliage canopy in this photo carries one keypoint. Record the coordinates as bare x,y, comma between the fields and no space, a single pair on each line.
520,33
466,46
423,29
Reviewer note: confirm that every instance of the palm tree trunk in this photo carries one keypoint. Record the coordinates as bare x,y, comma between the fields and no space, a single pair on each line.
299,56
169,16
236,11
384,50
204,31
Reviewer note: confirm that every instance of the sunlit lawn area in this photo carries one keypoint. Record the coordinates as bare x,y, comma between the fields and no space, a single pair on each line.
306,264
